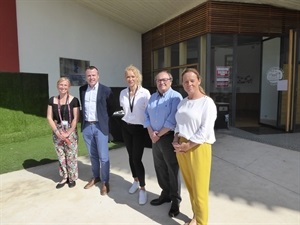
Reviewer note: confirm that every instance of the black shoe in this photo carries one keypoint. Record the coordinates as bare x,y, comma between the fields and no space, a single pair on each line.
174,210
72,184
159,201
60,185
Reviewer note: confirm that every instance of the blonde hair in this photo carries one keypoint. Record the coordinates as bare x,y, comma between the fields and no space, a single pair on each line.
199,77
61,79
136,73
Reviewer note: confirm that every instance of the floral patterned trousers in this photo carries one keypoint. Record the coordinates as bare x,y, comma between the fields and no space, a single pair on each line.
67,156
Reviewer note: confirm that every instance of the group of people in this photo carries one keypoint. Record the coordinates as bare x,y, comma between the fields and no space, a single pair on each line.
181,131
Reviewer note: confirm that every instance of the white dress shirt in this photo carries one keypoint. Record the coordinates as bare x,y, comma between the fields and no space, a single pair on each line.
90,102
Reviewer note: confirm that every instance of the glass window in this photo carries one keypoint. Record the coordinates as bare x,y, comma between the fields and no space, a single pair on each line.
158,59
175,55
193,50
175,74
221,62
221,67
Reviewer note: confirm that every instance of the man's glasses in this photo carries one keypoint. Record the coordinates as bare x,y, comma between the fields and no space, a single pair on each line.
162,80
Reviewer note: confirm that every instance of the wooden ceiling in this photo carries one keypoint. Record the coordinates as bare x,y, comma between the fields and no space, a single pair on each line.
144,15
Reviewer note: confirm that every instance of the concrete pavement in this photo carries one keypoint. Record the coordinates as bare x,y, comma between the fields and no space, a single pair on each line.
251,183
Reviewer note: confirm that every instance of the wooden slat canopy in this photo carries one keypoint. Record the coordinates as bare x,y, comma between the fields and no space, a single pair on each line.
219,17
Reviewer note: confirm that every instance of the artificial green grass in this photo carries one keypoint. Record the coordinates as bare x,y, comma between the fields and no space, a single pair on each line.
17,126
26,141
34,152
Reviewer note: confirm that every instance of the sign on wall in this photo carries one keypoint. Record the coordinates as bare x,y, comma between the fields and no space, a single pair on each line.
74,69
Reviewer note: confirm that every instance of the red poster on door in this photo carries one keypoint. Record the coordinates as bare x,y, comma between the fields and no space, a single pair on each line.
222,76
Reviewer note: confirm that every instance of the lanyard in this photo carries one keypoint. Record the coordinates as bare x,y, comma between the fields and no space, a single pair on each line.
131,103
59,112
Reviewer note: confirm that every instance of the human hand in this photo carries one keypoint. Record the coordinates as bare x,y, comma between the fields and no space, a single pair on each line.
59,135
65,134
176,146
154,137
180,148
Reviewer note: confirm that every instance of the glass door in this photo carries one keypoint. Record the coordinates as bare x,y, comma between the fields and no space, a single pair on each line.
271,74
221,77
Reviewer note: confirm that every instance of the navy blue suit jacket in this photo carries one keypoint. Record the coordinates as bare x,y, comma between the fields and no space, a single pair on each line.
105,106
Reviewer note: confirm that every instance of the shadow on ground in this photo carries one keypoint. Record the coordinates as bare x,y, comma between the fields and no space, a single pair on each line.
28,163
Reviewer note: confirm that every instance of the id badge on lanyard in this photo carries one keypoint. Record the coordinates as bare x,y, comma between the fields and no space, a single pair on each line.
65,124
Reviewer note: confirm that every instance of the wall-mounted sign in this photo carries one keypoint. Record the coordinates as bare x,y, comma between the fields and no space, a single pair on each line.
222,76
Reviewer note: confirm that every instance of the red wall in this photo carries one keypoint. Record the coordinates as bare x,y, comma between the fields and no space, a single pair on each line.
9,53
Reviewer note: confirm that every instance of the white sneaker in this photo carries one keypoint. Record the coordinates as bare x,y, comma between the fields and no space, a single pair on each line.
142,197
134,187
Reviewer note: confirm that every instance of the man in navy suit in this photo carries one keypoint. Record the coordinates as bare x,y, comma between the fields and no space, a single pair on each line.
97,106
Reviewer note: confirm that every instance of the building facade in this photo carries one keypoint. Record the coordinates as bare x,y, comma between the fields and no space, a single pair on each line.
248,55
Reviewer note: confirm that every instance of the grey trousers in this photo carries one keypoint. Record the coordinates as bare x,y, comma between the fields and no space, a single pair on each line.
166,168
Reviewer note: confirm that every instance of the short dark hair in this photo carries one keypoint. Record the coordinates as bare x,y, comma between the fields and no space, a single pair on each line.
92,68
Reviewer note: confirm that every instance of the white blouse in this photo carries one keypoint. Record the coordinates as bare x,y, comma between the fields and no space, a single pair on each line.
138,104
196,119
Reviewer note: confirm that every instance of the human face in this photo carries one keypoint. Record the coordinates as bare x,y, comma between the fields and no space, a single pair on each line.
191,83
131,79
92,77
163,82
63,87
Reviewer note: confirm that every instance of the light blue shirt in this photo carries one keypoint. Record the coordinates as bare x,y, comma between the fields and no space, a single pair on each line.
90,102
161,109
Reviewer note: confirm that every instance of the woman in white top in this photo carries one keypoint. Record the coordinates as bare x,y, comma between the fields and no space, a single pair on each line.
194,135
133,100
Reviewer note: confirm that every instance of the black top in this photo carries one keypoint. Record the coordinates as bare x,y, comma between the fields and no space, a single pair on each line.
63,109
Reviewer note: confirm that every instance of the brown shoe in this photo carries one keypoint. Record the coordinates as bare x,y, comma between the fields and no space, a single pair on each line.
104,189
92,182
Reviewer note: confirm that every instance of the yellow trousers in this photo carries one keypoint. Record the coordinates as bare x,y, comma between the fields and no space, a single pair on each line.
195,166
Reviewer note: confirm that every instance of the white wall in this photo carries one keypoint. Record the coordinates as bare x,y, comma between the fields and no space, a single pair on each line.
48,30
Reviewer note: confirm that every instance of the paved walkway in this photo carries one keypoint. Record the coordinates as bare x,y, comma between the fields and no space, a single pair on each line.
251,183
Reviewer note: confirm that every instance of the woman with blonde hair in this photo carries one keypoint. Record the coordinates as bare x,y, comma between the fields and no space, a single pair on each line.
193,139
62,116
134,100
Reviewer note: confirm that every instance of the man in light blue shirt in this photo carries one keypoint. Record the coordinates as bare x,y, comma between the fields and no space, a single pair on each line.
160,123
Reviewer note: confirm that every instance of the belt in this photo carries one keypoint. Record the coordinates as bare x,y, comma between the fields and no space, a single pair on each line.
168,133
132,124
91,122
